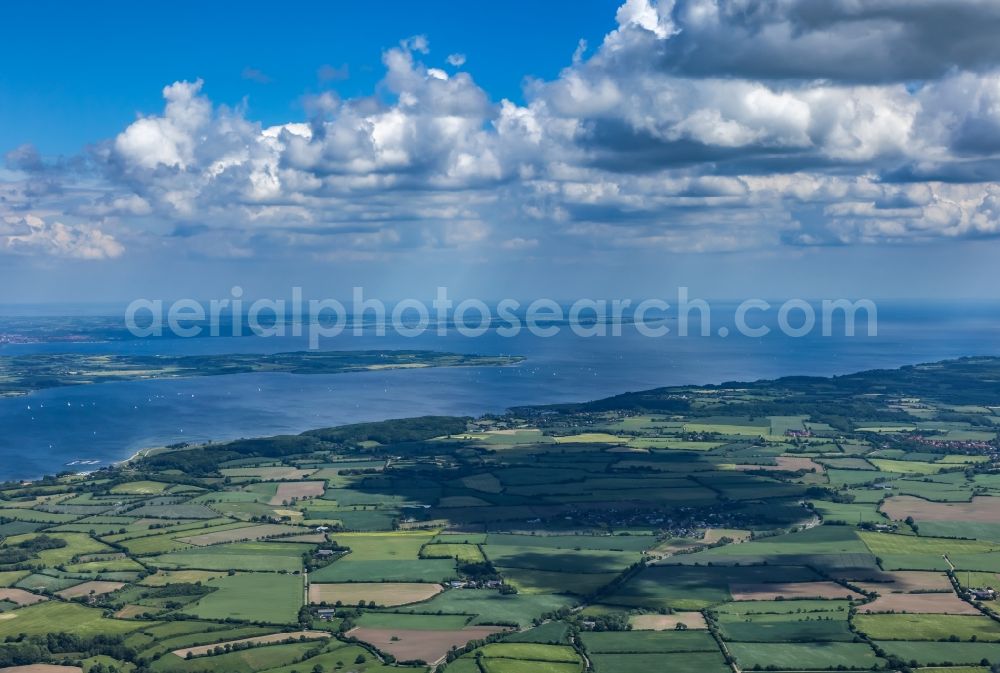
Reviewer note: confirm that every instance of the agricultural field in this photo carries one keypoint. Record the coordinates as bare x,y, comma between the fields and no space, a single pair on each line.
92,588
921,603
945,654
816,656
796,525
241,534
789,590
678,620
201,650
382,594
426,645
245,556
488,606
928,627
518,657
255,597
681,662
39,619
20,597
980,509
640,651
464,553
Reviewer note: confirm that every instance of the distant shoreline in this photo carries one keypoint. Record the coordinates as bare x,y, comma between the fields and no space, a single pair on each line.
27,374
145,451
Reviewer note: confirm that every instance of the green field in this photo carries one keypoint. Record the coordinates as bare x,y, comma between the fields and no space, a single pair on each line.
9,578
530,652
799,656
161,641
927,627
645,642
927,653
562,560
254,659
789,628
248,556
490,607
797,608
384,547
674,587
255,597
551,633
337,656
687,662
459,552
500,665
401,620
553,581
425,570
41,618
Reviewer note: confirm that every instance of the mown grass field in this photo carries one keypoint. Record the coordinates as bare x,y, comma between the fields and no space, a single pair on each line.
929,653
802,656
687,662
644,642
41,618
255,597
927,627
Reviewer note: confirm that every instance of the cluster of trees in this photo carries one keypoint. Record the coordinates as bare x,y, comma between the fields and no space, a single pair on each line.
394,431
480,571
24,551
611,622
36,649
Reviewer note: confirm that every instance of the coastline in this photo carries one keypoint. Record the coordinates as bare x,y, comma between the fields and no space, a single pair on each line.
141,453
23,382
146,450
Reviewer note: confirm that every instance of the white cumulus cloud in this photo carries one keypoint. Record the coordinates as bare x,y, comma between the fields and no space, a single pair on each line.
31,234
695,125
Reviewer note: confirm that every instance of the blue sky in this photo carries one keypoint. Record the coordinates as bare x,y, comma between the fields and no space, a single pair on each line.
76,86
787,148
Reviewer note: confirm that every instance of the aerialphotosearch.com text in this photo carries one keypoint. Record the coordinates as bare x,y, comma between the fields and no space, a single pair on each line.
656,317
